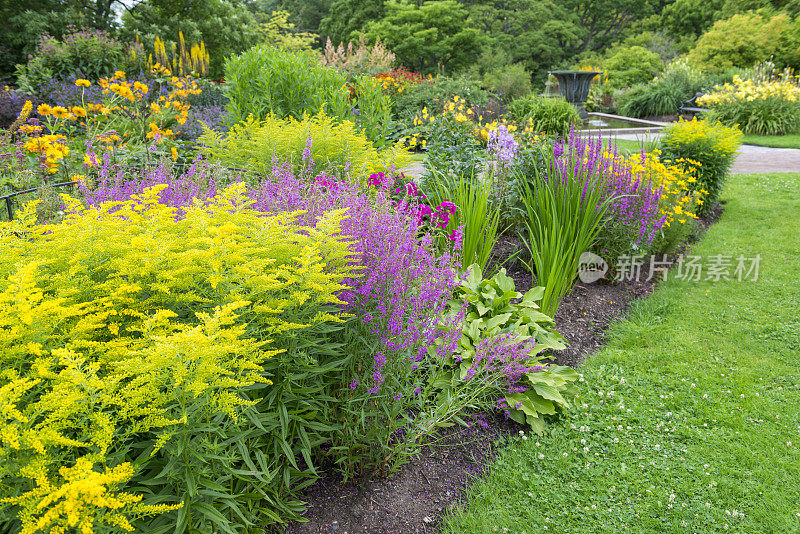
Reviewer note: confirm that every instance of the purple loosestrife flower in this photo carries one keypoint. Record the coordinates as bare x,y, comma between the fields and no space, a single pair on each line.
502,145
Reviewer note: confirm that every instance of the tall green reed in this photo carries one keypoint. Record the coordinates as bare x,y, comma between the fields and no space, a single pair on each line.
474,212
565,205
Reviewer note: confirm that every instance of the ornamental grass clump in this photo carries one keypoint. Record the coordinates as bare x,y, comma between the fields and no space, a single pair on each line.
565,203
705,149
144,360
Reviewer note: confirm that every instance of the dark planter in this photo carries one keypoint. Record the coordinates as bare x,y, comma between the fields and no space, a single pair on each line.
574,87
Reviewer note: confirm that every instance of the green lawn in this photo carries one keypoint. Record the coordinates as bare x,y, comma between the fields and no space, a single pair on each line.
628,146
689,420
776,141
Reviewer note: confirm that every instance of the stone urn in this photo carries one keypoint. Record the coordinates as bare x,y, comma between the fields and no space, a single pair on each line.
574,87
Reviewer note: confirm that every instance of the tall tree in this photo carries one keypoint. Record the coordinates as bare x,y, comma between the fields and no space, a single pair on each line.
347,17
540,34
605,21
428,37
24,22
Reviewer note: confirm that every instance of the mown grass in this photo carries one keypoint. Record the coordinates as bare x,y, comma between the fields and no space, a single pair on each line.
775,141
689,419
630,146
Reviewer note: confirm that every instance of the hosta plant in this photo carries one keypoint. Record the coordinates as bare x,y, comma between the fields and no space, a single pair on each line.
503,346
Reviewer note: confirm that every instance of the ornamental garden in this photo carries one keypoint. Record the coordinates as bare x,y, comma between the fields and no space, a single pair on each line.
247,270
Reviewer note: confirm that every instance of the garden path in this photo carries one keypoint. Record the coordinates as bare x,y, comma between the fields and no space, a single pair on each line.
751,158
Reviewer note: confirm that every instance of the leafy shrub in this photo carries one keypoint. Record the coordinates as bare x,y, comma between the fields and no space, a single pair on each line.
436,95
164,365
706,150
663,96
87,53
741,41
765,108
553,116
509,82
334,147
629,65
266,81
493,321
449,139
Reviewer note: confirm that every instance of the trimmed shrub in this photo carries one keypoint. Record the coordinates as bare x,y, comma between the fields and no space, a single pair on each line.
508,82
84,52
548,115
706,150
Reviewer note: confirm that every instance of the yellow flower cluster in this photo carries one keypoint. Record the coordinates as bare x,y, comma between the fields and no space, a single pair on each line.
489,127
87,499
726,140
104,343
126,114
680,197
19,122
53,147
454,109
748,91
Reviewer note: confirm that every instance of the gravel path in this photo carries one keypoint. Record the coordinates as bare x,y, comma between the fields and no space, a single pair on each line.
758,159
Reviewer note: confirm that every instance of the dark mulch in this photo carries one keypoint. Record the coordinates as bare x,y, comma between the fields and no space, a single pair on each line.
414,499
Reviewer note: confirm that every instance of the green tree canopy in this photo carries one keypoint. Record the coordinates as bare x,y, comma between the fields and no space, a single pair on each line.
744,40
540,34
428,37
24,22
348,17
